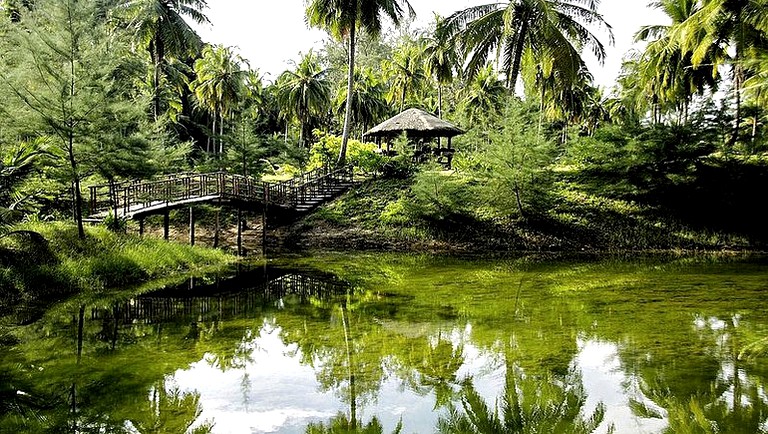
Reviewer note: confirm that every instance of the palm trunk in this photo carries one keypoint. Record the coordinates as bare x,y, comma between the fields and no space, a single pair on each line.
221,133
737,78
519,44
157,49
439,100
213,132
301,135
402,99
350,84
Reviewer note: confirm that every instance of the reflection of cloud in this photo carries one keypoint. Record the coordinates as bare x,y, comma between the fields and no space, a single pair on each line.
267,421
605,382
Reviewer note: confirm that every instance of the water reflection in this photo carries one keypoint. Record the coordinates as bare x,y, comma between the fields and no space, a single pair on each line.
414,345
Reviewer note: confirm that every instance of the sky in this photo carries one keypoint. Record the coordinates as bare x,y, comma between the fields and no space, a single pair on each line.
271,33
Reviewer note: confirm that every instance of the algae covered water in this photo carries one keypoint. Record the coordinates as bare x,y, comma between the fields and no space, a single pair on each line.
382,343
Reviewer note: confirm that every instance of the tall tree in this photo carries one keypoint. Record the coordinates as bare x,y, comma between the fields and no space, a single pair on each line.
369,104
406,72
509,28
219,86
484,95
740,25
161,28
440,58
667,70
342,19
304,92
61,70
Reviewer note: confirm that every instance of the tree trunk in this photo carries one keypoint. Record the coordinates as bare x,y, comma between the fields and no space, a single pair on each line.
518,200
77,196
213,131
301,135
221,132
439,100
737,78
519,44
350,85
158,55
402,98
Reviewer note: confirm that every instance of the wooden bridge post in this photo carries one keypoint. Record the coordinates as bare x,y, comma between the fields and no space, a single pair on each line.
166,224
141,226
191,226
264,221
239,231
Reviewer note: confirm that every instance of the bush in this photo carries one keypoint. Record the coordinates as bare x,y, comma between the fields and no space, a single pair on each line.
361,155
441,195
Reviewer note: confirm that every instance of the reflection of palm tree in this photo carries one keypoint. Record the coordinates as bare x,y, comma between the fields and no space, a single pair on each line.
170,412
732,402
341,425
438,369
528,406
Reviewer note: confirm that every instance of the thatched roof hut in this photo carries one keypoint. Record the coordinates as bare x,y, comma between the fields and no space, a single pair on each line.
414,123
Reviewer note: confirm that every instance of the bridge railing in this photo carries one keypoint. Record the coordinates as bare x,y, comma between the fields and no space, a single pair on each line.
132,196
309,185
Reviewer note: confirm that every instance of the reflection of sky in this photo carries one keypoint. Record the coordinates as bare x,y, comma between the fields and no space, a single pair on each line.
283,396
275,393
604,382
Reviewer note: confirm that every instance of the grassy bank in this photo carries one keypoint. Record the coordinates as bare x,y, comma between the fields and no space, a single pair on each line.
387,214
50,261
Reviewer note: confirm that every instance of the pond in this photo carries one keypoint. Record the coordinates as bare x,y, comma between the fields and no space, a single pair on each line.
383,343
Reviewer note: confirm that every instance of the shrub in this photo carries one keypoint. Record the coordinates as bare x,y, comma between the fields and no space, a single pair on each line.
361,155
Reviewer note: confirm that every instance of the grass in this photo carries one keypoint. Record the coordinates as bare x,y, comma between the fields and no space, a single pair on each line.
60,263
381,214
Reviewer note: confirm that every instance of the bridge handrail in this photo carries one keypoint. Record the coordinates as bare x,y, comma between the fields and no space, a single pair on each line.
131,196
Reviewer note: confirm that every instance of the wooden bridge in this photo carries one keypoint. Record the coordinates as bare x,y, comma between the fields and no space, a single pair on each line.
136,199
139,199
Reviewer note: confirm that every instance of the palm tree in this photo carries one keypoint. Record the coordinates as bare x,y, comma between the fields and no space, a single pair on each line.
666,69
527,406
219,86
304,92
406,72
440,59
721,24
160,27
369,104
342,18
484,94
556,27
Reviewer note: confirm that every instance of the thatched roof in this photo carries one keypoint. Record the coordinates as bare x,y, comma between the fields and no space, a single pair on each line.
415,123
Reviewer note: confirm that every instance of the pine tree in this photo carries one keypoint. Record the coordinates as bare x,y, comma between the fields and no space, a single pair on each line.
63,70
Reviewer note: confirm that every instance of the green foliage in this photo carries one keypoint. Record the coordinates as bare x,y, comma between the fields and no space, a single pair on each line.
439,195
517,163
60,262
115,224
360,155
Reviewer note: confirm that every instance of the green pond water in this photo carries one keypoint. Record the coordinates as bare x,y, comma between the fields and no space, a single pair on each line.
381,343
